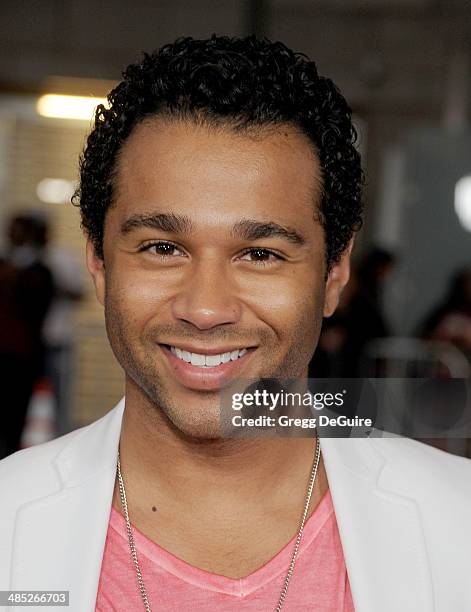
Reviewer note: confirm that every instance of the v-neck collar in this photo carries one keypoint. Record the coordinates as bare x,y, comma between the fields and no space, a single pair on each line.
241,587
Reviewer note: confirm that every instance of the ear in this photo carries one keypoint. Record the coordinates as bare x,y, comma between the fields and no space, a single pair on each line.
96,267
338,278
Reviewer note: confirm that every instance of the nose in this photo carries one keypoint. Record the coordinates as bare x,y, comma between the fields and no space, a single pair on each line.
207,297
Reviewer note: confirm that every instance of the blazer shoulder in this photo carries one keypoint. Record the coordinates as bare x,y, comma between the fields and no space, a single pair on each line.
31,470
431,470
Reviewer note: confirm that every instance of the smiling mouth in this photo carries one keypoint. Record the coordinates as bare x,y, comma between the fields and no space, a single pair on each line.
202,360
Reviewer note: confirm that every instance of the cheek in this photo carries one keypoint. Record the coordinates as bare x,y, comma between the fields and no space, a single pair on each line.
291,305
138,296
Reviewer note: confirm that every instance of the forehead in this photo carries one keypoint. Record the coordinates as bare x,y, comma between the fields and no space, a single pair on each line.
215,170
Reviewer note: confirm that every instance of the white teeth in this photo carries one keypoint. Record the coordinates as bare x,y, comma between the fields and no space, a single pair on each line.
209,361
197,360
213,360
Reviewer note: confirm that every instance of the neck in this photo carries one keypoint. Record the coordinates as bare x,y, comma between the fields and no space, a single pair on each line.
161,465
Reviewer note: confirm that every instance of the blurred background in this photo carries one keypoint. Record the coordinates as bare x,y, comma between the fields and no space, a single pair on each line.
405,68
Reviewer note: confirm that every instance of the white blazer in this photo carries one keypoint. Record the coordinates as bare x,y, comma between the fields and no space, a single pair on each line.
403,510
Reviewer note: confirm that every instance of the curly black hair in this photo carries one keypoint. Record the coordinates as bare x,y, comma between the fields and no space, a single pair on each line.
244,83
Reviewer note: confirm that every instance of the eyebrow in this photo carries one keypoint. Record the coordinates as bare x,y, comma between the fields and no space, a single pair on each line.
250,229
246,229
167,222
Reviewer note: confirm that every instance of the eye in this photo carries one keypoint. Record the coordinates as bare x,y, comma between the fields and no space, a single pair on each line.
261,257
162,249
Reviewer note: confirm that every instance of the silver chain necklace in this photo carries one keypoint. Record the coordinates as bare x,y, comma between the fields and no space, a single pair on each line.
132,546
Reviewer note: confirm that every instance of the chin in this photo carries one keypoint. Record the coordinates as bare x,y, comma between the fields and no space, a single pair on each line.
202,424
200,431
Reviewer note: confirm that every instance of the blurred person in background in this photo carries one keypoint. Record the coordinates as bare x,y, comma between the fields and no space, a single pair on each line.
26,292
450,321
58,327
364,313
328,360
358,320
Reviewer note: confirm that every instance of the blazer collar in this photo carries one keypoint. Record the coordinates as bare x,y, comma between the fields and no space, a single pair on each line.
380,529
94,448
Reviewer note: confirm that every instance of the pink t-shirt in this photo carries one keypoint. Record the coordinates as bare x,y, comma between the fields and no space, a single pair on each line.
319,582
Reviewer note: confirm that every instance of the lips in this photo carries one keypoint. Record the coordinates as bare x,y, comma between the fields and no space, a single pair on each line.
208,369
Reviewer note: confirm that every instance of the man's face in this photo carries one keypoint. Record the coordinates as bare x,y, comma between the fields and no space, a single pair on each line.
214,265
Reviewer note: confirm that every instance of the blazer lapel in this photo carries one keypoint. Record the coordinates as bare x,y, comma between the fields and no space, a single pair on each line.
380,530
66,553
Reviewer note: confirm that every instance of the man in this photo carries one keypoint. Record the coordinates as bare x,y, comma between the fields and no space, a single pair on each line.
219,194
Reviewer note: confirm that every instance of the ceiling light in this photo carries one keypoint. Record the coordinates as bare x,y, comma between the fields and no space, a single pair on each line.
463,201
68,107
55,190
